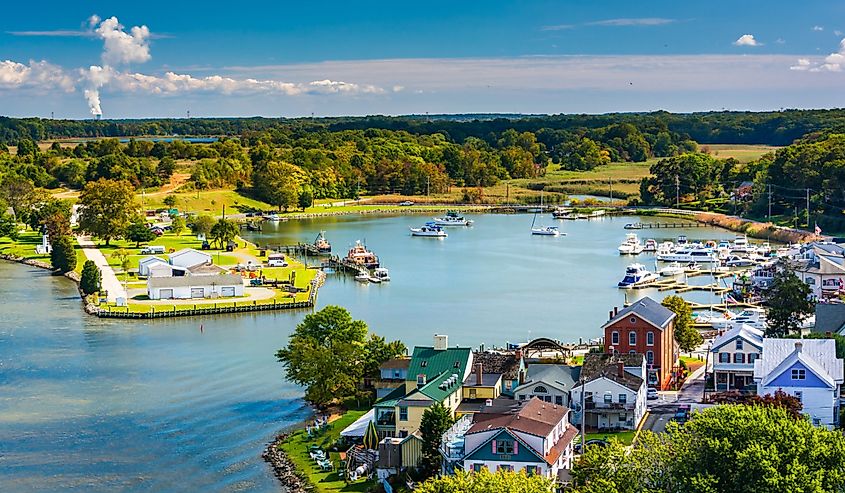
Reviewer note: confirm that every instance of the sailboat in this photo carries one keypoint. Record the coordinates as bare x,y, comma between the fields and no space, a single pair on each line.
543,230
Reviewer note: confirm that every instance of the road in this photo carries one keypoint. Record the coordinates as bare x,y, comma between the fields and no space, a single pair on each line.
109,280
662,410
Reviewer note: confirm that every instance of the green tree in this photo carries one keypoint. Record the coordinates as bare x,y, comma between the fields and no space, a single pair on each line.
124,257
485,481
139,233
377,350
306,199
91,277
202,225
278,183
177,225
434,423
686,335
224,231
8,226
107,207
63,256
171,201
788,299
18,193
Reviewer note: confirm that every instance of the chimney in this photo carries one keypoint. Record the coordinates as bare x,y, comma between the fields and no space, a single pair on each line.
441,342
478,374
615,311
610,315
620,368
799,346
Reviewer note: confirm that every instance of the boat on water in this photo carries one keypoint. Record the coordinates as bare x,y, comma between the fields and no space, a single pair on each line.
381,273
755,317
686,255
562,213
636,275
631,245
741,245
452,218
737,261
359,255
633,226
321,244
673,269
692,267
650,245
362,277
682,240
546,231
665,248
275,218
430,230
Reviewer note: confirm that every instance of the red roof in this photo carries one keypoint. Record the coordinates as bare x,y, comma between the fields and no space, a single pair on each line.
536,418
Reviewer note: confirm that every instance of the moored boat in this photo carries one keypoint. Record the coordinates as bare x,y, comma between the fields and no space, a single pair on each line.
359,255
631,245
321,244
382,274
452,218
546,231
673,269
430,230
650,245
636,275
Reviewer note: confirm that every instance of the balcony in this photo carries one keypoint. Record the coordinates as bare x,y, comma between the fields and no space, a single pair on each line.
620,406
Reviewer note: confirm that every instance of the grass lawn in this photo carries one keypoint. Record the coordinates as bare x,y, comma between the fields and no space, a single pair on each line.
692,363
740,152
24,246
296,447
624,437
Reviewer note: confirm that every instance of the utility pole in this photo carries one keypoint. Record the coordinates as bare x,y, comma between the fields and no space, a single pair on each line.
770,201
677,192
427,186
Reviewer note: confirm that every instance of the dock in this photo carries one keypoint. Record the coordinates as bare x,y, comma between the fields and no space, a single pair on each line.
659,225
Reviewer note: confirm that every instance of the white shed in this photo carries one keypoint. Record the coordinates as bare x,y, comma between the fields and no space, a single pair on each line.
146,263
188,257
189,287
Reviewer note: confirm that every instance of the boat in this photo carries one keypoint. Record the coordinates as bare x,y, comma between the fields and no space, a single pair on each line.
692,267
597,213
650,245
673,269
562,213
665,248
359,255
382,274
321,244
736,261
274,218
430,230
687,255
362,277
251,226
713,318
682,240
636,275
634,226
452,218
764,249
755,317
546,231
374,279
631,245
741,245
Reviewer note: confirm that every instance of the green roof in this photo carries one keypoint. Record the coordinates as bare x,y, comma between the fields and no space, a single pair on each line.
433,362
392,398
432,388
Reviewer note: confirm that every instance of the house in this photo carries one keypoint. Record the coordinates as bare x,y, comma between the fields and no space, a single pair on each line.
393,374
481,384
548,382
188,287
821,266
805,368
536,439
830,318
145,263
733,354
615,392
509,364
205,270
435,374
646,327
188,257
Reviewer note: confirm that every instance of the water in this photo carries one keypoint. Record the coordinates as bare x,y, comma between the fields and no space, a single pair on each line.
110,405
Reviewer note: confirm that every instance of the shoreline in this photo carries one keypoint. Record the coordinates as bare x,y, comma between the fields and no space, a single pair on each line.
285,471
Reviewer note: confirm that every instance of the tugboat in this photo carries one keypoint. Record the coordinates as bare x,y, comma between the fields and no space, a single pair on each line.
359,255
321,244
452,218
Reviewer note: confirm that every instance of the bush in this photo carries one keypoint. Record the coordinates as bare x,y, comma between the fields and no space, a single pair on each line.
91,278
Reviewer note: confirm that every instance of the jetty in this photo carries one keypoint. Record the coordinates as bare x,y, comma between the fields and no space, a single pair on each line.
659,225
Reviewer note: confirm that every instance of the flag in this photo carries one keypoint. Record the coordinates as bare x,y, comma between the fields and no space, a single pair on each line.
818,229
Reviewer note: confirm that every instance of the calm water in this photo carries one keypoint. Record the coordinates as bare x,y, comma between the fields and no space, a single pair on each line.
94,405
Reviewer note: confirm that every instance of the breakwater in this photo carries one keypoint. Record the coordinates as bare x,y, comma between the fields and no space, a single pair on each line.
284,469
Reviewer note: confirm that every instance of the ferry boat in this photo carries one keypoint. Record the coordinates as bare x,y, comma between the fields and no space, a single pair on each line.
359,255
321,244
631,245
546,231
673,269
636,275
650,245
382,274
452,218
430,230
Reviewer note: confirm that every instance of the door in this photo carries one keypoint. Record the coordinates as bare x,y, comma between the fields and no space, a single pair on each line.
228,291
197,293
165,294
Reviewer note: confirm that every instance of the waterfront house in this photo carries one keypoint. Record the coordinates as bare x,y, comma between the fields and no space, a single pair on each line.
733,354
615,392
392,375
646,327
188,257
830,318
548,382
536,439
195,287
805,368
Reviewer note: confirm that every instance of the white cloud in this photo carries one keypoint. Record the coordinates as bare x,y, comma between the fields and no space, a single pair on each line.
639,21
802,65
817,28
747,40
120,47
558,27
835,62
838,33
780,41
39,75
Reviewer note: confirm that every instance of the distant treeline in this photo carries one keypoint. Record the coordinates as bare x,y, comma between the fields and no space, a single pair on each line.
773,128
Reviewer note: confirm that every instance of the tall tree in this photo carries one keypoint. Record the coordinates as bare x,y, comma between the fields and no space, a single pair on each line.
177,225
139,233
224,231
435,421
63,256
91,277
485,481
202,225
278,183
686,335
788,299
107,207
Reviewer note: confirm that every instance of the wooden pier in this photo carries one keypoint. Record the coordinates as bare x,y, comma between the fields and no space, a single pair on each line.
659,225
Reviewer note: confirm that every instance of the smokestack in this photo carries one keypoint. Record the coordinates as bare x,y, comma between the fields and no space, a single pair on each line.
478,374
620,368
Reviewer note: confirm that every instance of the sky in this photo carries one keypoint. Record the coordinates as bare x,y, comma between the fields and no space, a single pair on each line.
165,59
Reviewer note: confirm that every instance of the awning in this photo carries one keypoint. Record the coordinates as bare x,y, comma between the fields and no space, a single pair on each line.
359,427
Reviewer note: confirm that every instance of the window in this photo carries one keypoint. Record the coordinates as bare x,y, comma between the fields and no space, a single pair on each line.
505,467
588,396
739,344
540,390
472,393
508,384
633,320
799,395
522,397
724,357
403,414
649,356
420,380
457,364
403,433
799,374
649,338
614,338
423,364
632,352
632,338
608,397
477,467
810,281
559,400
530,470
504,447
739,357
623,398
752,357
397,374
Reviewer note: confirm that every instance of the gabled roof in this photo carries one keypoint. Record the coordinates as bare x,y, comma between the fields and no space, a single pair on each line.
603,365
186,251
745,332
399,363
830,248
562,375
647,309
151,260
441,386
195,281
391,399
818,355
433,362
206,270
830,317
536,418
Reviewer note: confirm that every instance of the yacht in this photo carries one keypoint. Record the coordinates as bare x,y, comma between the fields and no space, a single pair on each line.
359,255
741,245
636,275
631,245
650,245
430,230
274,218
736,261
321,244
687,255
665,248
755,317
673,269
764,249
546,231
452,218
382,274
692,267
634,226
362,277
682,240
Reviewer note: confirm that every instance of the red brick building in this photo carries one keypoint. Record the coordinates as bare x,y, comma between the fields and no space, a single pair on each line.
645,327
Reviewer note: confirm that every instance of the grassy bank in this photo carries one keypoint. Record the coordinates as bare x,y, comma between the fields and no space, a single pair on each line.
754,229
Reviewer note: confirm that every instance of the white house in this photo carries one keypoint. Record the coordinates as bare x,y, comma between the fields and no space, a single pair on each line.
146,263
188,287
547,382
733,354
822,267
805,368
188,257
615,392
536,439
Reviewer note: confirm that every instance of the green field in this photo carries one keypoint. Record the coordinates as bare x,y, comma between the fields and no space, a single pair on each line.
742,153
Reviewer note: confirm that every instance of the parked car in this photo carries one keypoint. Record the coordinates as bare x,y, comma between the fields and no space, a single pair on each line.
406,202
652,393
681,416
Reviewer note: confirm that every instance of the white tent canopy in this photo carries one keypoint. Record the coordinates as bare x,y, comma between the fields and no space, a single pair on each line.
359,427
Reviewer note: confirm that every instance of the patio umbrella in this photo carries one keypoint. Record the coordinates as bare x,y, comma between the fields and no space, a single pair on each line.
371,436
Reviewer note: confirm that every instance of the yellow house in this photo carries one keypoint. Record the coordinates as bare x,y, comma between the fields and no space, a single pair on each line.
480,385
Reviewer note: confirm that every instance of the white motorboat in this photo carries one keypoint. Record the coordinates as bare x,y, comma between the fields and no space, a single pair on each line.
382,274
452,218
713,318
692,267
562,213
430,230
665,248
741,245
362,277
755,317
374,280
650,245
682,240
764,249
636,275
687,255
673,269
273,218
631,245
546,231
634,226
736,261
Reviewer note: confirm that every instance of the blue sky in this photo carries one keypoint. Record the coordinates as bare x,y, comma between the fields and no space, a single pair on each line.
335,58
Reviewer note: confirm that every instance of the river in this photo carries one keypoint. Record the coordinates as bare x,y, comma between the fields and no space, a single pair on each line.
188,404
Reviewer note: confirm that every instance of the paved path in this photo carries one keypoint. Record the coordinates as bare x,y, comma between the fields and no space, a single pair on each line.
109,282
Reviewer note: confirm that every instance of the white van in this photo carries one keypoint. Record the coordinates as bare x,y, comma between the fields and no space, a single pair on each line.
276,260
152,250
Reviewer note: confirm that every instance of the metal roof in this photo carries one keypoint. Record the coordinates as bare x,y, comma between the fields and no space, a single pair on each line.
646,309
